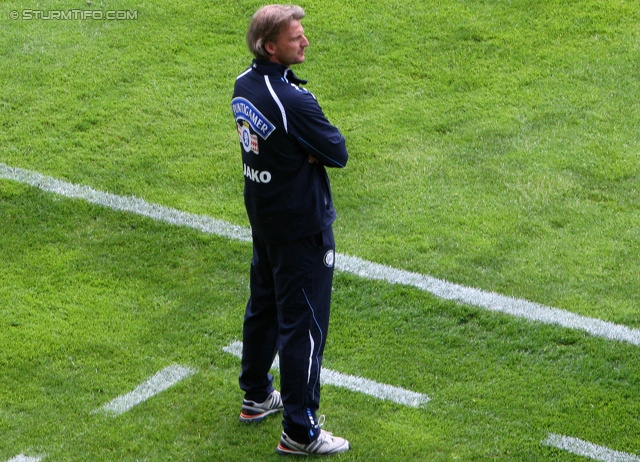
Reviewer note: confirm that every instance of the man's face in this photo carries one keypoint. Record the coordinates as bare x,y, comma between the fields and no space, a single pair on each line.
289,47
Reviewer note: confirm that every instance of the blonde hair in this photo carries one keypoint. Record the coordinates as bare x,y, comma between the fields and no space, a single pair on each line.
266,25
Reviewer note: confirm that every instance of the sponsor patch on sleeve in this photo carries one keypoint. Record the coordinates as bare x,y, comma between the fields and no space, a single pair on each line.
243,110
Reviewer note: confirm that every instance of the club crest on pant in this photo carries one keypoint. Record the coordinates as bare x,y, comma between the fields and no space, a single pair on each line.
329,258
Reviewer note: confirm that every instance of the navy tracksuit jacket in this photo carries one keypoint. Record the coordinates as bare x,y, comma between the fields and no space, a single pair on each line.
288,201
280,124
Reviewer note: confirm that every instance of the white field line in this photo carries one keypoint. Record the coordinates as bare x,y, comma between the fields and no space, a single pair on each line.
358,384
586,449
23,458
488,300
475,297
158,383
126,203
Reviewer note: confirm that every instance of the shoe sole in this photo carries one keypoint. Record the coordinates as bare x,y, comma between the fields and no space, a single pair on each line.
286,451
248,418
289,452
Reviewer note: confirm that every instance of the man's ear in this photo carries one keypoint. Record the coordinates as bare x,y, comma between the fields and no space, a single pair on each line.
269,47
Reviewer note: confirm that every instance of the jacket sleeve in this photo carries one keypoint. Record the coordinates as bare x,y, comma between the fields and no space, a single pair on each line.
315,133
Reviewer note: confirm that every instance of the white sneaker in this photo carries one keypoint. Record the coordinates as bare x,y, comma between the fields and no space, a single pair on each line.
255,412
326,444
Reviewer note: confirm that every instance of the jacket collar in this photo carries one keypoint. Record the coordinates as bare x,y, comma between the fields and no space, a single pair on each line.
268,68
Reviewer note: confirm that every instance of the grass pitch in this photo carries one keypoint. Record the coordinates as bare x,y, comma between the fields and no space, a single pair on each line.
493,144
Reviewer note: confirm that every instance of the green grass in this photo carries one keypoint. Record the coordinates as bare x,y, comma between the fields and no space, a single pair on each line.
493,144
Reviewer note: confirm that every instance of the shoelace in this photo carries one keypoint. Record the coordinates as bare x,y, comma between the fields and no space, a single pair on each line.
321,423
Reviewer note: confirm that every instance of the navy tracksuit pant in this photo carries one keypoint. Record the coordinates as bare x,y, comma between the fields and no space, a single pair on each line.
288,313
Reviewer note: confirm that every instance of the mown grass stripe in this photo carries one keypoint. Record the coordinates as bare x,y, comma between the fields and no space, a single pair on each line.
356,384
586,449
158,383
475,297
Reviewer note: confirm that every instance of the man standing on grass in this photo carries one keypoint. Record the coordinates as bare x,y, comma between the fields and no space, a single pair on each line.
286,143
